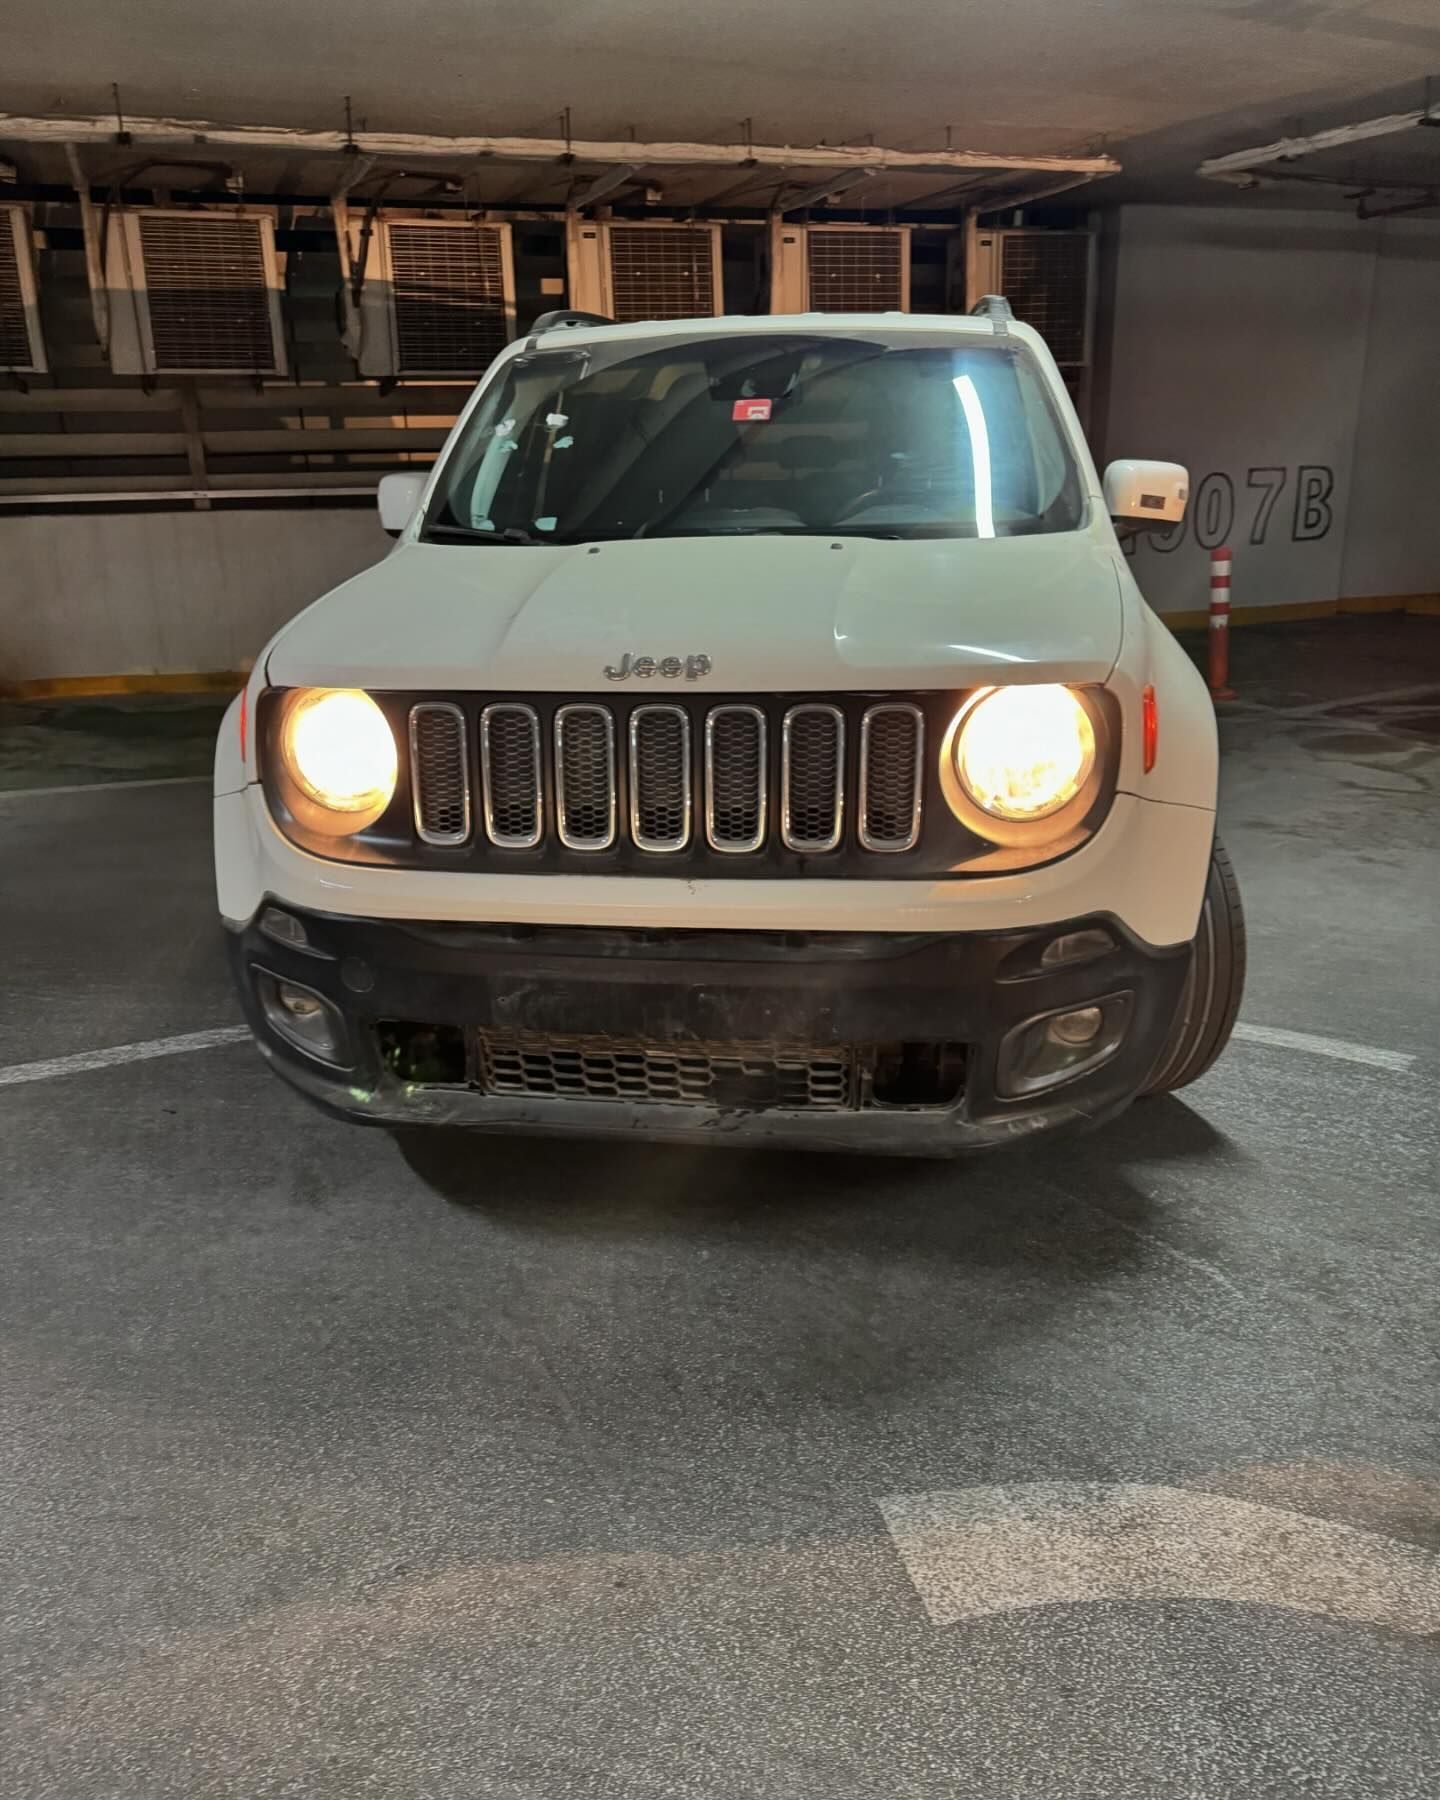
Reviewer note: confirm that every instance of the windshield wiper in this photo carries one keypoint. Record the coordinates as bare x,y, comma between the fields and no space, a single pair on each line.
479,534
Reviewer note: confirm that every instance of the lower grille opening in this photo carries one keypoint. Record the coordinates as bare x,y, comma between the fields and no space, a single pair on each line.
917,1074
751,1077
746,1077
426,1055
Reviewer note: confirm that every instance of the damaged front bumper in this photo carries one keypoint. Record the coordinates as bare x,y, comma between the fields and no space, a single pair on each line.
921,1043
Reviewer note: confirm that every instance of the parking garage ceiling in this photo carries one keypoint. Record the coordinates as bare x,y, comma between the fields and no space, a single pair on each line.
1164,83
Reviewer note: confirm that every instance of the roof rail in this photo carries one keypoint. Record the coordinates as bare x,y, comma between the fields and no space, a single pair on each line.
559,321
995,308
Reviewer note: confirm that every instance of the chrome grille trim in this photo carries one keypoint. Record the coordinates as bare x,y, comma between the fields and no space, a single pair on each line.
732,797
829,772
644,783
869,838
522,790
571,804
429,782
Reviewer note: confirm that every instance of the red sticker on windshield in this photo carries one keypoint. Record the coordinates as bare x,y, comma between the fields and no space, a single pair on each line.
744,412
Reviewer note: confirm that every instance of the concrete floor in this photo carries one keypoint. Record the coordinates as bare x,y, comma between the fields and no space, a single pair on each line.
336,1467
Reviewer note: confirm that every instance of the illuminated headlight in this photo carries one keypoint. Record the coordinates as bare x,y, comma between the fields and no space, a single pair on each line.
339,753
1021,763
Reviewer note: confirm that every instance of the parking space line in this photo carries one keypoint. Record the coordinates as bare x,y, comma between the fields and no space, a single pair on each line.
1399,1061
976,1551
84,1060
100,787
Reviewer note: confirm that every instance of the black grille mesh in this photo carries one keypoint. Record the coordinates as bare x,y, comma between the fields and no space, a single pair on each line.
856,271
510,757
14,338
449,296
736,760
660,777
662,273
206,290
1044,275
585,776
754,1076
890,765
814,777
442,780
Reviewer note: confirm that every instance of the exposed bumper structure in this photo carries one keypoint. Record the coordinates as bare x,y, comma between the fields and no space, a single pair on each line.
921,1042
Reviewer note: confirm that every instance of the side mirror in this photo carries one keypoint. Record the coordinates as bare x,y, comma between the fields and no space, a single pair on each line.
1145,493
399,495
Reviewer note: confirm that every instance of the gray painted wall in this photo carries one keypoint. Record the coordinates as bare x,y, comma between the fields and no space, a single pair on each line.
1291,361
125,593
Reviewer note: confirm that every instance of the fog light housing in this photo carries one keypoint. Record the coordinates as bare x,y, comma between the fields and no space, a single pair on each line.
302,1017
1059,1046
283,928
1077,946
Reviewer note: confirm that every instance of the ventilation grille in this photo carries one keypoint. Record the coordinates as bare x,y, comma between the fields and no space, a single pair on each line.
16,351
662,273
1045,275
448,287
660,777
688,775
856,271
736,778
208,293
439,760
585,777
752,1076
892,740
813,777
510,771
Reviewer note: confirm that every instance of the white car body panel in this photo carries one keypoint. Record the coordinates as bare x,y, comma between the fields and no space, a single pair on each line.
773,614
1146,866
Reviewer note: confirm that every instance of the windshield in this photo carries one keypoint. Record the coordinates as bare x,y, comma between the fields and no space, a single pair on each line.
724,436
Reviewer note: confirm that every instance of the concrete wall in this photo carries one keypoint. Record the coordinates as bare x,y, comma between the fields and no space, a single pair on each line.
127,593
1291,361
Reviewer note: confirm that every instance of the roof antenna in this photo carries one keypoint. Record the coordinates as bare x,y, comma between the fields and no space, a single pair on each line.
569,155
122,136
350,147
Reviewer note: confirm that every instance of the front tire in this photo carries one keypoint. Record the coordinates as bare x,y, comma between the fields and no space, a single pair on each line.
1211,998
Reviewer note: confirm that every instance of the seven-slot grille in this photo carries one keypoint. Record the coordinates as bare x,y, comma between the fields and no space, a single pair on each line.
687,776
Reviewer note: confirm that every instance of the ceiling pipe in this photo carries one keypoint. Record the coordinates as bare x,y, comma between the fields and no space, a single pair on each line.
874,159
1339,137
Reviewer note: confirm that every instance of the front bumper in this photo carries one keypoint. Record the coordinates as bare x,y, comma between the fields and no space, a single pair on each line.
871,995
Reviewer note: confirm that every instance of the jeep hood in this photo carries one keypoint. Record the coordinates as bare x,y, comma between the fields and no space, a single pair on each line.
772,614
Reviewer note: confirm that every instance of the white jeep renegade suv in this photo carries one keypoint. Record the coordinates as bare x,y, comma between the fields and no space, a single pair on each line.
756,735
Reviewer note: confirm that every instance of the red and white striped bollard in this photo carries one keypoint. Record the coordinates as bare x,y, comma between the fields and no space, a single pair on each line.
1220,688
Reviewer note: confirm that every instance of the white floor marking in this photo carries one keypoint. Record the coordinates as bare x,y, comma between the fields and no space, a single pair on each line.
1341,1048
975,1551
100,787
84,1060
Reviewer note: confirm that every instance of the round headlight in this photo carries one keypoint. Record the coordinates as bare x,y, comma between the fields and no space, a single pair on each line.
1024,753
340,750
